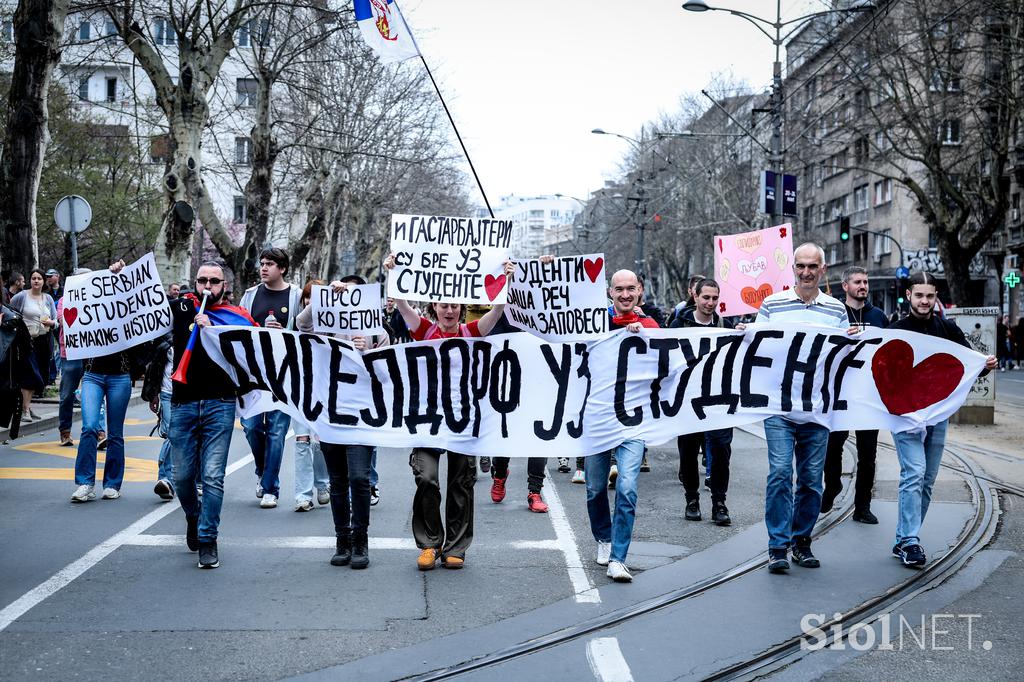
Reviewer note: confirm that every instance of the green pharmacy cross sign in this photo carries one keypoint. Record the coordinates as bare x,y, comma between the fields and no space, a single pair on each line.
1012,279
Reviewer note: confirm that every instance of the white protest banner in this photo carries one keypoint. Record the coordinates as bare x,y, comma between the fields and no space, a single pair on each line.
450,260
104,313
563,299
516,395
357,310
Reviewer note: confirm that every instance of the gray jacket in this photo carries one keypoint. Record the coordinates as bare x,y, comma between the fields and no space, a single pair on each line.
293,302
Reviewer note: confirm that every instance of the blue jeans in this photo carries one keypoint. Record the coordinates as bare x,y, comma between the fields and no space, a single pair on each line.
373,469
310,468
70,378
200,438
266,433
117,389
165,466
787,516
617,530
919,465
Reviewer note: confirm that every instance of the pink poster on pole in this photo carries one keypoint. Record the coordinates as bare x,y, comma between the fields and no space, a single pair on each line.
751,266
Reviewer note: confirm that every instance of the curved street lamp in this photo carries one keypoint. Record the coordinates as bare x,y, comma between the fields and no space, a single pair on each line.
778,38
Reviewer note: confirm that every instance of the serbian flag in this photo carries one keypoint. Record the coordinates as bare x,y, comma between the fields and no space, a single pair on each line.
221,315
385,30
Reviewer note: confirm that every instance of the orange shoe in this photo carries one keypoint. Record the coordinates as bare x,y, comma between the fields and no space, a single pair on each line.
498,489
454,562
536,503
427,560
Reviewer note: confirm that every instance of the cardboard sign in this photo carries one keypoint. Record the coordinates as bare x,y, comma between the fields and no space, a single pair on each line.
449,260
564,299
751,266
104,313
358,310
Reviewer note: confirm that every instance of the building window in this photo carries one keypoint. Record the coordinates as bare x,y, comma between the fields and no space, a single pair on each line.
860,198
833,254
83,88
160,149
883,191
861,102
254,32
243,151
85,30
537,213
239,214
163,32
112,89
245,89
945,81
860,246
949,132
860,150
7,30
883,244
109,31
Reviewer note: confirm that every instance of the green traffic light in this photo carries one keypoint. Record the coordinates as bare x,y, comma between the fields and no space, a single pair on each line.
845,236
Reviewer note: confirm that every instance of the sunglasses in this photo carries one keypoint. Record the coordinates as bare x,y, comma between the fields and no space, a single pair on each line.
212,280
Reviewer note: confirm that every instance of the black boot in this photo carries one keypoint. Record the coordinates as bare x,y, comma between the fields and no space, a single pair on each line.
343,552
693,510
720,514
360,551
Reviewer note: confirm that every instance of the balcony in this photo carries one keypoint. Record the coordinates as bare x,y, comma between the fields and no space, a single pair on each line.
860,218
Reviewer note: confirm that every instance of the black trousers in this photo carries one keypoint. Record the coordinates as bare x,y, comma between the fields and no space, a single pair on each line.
718,445
349,469
534,471
867,446
454,535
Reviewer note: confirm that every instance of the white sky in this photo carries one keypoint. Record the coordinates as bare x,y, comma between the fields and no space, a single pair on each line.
527,80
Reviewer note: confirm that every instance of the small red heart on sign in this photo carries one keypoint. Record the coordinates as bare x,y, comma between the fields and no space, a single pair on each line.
593,267
782,233
719,246
785,287
493,285
905,387
721,307
753,297
70,315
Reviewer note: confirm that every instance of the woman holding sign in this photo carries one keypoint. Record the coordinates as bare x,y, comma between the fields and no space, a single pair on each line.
349,466
447,540
40,314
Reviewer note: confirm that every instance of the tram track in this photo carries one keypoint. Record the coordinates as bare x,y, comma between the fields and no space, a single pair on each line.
977,534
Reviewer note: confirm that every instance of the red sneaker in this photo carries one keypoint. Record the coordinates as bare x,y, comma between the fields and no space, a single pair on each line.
536,504
498,489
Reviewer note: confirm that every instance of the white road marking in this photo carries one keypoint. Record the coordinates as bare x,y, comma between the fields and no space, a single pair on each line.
585,592
606,660
64,576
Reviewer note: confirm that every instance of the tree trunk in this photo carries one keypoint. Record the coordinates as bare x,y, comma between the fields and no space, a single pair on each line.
259,190
39,28
956,263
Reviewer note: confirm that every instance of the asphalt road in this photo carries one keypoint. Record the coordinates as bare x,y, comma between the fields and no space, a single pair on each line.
1010,386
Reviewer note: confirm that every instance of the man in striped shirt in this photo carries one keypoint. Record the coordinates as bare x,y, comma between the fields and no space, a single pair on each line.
790,519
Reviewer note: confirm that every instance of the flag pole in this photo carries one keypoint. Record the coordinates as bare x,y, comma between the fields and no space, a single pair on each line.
446,111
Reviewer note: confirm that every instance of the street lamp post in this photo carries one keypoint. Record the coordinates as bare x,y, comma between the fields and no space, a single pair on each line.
776,156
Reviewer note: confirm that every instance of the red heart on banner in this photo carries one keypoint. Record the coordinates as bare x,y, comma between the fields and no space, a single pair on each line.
905,387
70,315
753,297
593,267
493,285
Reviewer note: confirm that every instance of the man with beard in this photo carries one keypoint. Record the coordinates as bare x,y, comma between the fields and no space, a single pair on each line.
202,411
861,314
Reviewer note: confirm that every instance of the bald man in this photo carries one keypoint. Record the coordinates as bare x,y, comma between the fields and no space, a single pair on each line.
613,534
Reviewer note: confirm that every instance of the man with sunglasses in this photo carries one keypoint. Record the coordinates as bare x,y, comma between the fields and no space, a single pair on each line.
202,412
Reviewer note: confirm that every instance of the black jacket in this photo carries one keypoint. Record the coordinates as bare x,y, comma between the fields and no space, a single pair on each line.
206,379
154,377
686,319
868,316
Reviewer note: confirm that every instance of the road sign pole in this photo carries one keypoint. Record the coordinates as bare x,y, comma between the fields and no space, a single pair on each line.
74,237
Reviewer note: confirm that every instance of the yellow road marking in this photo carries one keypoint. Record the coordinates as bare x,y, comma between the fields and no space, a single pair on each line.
132,421
135,468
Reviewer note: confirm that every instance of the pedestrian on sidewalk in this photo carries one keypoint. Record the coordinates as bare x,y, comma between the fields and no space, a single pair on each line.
348,465
40,314
70,379
614,533
861,314
273,303
920,453
717,442
790,518
449,539
202,412
107,378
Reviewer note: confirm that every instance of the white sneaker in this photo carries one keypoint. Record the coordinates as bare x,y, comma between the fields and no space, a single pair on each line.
269,501
604,551
27,418
617,572
111,494
259,491
613,473
84,493
300,506
578,477
323,496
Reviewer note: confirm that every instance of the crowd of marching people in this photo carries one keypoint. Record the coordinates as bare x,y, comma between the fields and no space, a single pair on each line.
195,401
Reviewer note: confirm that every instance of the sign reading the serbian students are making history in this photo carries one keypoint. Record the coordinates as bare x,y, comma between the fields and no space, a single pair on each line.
563,299
105,312
356,310
450,260
751,266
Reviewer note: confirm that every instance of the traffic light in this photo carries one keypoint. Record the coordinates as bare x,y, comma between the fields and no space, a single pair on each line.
902,284
844,229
